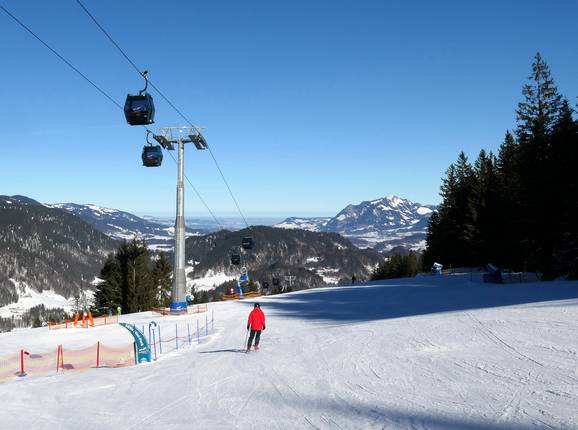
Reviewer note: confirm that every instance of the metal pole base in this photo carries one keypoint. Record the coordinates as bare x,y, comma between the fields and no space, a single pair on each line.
178,307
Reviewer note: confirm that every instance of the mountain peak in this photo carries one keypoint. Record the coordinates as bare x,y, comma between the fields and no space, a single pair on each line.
381,223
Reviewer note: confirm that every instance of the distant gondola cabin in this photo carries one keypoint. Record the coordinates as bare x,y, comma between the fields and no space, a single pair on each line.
139,109
247,243
152,156
235,259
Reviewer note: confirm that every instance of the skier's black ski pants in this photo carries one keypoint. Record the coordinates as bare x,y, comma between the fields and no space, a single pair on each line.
256,334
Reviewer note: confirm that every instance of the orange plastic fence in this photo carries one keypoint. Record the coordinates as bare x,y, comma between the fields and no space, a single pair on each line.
195,309
105,320
56,326
249,295
95,322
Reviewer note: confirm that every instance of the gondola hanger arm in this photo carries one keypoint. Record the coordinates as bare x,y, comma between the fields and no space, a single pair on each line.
145,75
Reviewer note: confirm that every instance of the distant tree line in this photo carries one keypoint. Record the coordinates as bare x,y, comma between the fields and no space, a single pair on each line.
519,208
36,316
398,266
134,281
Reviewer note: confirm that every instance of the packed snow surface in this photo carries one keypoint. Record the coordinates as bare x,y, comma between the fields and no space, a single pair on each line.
422,353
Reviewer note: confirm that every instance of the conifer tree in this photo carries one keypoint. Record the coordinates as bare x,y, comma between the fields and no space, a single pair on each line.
108,292
137,288
565,228
486,191
537,115
162,279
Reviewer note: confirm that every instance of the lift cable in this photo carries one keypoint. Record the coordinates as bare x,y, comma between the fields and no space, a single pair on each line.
170,103
100,90
68,63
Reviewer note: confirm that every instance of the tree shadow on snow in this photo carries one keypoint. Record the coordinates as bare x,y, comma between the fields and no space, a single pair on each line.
316,411
412,297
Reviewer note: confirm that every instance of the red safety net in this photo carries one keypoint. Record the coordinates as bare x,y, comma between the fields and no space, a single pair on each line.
78,359
62,359
40,364
116,356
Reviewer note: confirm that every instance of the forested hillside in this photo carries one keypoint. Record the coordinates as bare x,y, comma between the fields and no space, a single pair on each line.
46,248
279,251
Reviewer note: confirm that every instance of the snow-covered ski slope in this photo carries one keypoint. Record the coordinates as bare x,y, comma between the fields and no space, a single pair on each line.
423,353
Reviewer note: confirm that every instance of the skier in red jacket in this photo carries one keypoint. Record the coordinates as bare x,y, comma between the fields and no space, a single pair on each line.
256,323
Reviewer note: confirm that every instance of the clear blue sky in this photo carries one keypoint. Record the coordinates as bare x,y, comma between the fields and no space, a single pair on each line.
309,105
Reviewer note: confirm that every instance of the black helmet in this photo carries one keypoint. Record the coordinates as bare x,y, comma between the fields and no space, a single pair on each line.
257,305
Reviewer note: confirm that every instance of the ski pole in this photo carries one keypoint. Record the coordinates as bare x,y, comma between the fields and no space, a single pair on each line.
246,337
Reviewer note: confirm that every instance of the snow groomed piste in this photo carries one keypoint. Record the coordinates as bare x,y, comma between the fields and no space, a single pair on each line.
435,352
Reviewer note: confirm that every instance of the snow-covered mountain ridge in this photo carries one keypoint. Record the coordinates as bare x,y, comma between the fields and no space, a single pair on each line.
381,224
123,225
